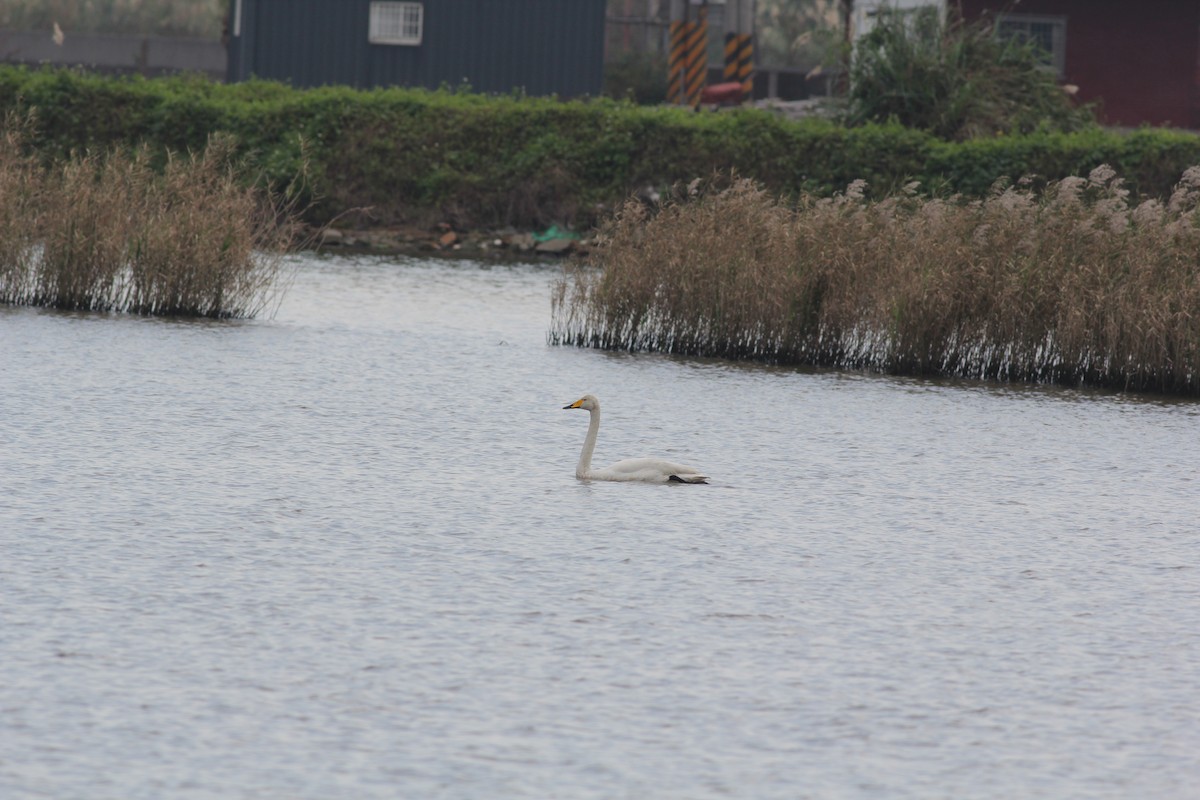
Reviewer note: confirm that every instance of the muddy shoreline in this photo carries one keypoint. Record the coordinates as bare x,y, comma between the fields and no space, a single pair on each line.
444,241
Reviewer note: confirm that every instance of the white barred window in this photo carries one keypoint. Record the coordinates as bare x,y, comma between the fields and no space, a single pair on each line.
1047,33
396,23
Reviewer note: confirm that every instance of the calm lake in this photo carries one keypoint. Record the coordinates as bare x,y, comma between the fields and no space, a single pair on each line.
342,553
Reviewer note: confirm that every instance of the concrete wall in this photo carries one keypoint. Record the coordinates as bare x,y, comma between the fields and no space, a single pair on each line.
115,53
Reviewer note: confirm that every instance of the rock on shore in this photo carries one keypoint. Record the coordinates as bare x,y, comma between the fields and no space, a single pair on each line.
442,239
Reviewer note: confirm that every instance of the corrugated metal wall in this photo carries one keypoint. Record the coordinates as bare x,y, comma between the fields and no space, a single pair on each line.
541,46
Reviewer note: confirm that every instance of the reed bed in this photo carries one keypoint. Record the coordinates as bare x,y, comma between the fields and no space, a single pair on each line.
1072,284
110,233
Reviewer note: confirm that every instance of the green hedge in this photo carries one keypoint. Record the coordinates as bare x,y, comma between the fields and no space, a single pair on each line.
418,156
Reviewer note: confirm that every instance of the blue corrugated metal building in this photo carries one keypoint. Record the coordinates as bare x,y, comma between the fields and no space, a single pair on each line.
539,46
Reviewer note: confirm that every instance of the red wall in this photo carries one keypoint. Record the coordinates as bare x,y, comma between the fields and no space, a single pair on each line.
1140,58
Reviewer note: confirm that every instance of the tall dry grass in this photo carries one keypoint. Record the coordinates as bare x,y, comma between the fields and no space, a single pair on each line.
20,189
109,233
1071,285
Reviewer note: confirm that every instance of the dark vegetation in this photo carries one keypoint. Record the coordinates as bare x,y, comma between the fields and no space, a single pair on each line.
955,79
421,157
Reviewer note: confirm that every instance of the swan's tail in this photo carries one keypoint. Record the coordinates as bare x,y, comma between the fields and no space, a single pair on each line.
688,479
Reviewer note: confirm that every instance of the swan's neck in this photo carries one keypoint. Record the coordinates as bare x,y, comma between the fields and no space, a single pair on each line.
589,444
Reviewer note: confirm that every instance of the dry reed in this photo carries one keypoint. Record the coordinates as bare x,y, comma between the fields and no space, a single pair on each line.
20,185
112,234
1071,285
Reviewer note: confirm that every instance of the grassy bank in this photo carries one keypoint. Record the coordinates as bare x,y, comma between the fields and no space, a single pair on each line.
414,156
108,233
1075,285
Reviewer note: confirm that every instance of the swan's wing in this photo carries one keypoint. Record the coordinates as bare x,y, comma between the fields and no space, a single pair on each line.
650,470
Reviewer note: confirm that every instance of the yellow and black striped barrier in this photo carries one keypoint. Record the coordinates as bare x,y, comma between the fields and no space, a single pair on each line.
687,65
739,61
676,60
697,57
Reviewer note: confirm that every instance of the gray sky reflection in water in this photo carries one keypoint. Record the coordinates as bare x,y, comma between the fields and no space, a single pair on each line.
342,553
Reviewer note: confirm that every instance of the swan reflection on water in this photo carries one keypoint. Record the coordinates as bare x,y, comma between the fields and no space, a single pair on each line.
644,470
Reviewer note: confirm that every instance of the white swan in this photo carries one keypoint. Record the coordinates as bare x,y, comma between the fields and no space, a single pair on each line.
646,470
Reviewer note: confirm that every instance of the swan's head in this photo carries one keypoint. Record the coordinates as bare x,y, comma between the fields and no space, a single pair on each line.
588,402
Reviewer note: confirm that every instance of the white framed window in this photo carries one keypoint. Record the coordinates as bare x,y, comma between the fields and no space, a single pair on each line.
1048,33
396,23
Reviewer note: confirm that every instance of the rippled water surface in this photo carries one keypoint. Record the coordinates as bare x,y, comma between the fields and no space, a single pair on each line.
342,553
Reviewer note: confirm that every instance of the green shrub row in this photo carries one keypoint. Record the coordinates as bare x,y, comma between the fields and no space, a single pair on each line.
476,161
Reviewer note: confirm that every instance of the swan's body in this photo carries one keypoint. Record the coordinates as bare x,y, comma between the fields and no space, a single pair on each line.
645,470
